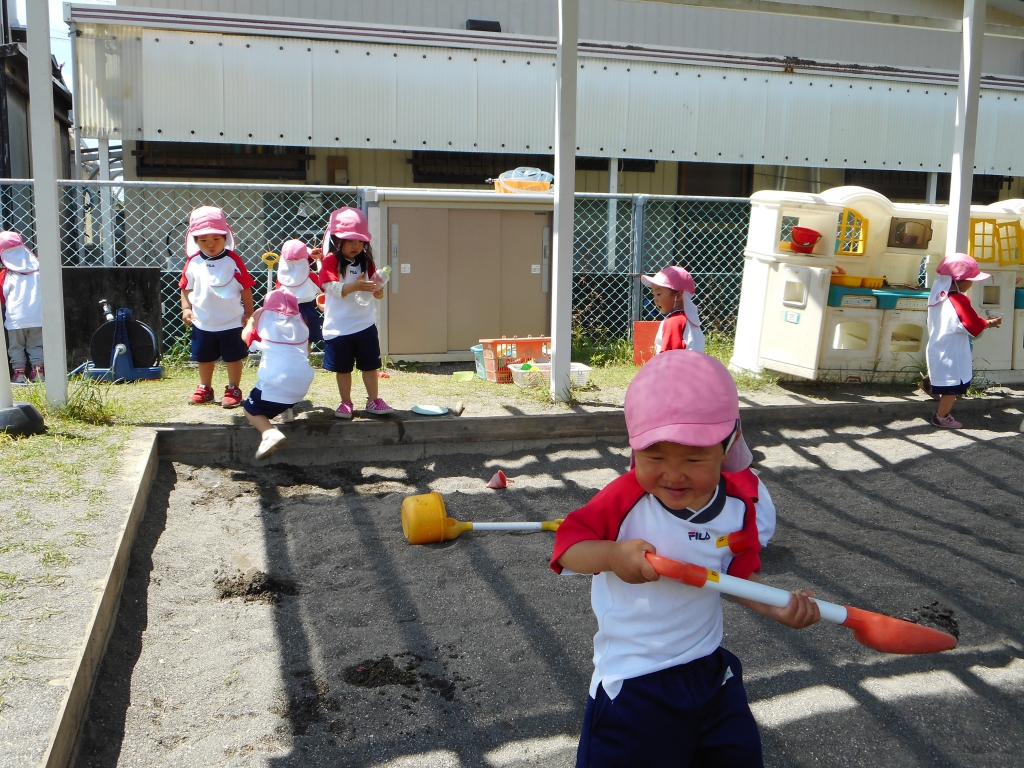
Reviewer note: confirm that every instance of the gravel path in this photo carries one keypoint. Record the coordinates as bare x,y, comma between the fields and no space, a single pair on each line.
279,618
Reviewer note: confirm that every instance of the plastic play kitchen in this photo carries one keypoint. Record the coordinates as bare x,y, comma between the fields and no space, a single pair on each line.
835,285
425,521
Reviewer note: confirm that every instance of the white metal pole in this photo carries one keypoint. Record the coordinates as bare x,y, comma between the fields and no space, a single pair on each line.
76,129
44,172
932,188
565,190
106,210
613,206
6,392
966,135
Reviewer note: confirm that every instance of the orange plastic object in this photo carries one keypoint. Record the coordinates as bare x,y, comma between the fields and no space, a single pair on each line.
889,635
847,281
803,239
498,481
872,282
498,353
687,573
737,541
644,332
425,521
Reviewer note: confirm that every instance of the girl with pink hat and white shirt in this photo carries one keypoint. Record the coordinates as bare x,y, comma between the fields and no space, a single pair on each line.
664,690
216,300
279,332
22,308
673,290
295,277
350,327
952,324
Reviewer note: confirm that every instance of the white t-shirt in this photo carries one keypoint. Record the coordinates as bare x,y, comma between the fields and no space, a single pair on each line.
645,628
343,317
215,290
23,304
284,375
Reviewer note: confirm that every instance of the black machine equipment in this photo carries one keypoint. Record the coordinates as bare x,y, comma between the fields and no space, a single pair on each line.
122,349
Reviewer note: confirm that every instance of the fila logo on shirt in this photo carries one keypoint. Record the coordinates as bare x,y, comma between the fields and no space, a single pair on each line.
698,536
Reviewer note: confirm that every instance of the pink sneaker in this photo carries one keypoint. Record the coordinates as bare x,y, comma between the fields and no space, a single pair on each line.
946,422
19,377
378,407
344,411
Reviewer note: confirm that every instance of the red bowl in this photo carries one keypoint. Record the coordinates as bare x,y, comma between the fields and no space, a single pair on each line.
803,239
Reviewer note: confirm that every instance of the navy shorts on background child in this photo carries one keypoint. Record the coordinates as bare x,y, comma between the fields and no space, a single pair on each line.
361,349
210,346
255,405
314,320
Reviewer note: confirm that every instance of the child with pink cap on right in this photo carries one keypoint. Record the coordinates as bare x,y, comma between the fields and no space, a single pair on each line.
664,692
350,327
952,324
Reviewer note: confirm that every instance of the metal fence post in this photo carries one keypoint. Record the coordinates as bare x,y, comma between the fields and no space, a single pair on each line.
639,245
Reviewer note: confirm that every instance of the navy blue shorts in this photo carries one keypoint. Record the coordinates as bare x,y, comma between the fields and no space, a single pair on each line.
210,346
361,349
954,389
314,320
255,405
691,716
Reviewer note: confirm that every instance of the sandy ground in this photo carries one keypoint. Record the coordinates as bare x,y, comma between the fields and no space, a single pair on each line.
62,504
484,654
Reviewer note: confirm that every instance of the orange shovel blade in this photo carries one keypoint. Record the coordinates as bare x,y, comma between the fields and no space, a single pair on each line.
889,635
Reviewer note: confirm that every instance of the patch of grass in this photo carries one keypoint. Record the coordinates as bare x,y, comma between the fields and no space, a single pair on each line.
600,353
720,346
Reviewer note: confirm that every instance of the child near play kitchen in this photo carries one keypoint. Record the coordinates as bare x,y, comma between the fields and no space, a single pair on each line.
952,324
664,692
279,332
350,328
216,300
673,290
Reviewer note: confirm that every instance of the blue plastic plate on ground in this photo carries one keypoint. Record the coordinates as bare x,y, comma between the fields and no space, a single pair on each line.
430,410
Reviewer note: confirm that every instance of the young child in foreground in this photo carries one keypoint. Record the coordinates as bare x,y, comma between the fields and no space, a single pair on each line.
952,323
216,300
23,308
664,692
673,290
277,330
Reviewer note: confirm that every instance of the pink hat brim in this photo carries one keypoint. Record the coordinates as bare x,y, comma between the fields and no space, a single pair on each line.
209,230
979,276
699,435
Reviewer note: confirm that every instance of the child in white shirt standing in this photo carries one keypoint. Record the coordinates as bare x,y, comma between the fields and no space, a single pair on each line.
216,300
23,308
673,290
350,328
278,331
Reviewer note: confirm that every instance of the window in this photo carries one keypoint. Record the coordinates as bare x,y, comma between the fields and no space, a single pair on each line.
220,161
910,233
982,243
853,233
1009,236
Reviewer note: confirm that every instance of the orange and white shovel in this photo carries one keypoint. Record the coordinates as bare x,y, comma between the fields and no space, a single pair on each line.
875,630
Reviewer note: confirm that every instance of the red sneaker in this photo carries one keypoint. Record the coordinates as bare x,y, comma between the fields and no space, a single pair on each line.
232,397
202,395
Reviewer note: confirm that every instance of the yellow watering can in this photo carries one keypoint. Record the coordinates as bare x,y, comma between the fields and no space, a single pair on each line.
424,521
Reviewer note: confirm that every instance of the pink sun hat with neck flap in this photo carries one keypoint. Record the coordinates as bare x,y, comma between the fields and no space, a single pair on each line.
346,224
207,220
280,322
15,255
294,250
281,302
688,398
673,278
960,266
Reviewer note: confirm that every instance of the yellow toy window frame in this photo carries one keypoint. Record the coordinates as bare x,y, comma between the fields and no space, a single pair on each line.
1009,236
852,238
983,240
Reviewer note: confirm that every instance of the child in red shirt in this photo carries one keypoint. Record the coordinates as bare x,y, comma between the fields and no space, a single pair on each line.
673,290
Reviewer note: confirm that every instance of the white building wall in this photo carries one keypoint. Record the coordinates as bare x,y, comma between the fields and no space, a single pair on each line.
653,23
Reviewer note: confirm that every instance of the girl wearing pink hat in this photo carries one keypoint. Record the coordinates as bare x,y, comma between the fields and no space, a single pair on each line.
350,327
664,691
673,290
278,331
294,276
22,308
216,300
952,324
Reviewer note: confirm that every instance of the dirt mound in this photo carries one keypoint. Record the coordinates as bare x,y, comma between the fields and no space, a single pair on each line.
374,673
253,586
935,615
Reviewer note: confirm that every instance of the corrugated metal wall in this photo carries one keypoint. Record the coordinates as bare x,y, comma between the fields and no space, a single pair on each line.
652,23
177,86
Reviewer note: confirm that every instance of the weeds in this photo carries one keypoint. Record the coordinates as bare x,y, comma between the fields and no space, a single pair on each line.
600,353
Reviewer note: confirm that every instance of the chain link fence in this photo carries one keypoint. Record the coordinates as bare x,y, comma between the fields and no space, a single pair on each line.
617,239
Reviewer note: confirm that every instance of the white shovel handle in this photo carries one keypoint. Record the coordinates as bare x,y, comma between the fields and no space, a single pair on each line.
762,593
507,526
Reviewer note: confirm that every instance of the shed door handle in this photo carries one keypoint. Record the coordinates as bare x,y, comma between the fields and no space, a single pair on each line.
545,259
